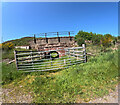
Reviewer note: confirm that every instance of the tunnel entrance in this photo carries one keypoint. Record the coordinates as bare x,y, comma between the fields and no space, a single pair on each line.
53,54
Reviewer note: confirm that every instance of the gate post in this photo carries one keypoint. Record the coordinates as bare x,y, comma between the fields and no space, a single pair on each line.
84,52
15,55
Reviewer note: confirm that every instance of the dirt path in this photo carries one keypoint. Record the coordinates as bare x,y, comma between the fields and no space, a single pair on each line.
111,98
15,96
9,96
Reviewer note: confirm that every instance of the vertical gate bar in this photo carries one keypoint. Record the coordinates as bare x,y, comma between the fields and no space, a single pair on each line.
15,55
77,53
84,52
64,62
69,56
32,59
51,59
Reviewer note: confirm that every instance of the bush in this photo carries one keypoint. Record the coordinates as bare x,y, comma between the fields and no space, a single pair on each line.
7,46
107,40
80,41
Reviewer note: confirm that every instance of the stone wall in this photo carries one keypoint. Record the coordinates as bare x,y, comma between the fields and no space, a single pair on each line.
52,42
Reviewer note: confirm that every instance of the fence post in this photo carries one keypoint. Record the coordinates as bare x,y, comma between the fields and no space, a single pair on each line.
84,52
15,55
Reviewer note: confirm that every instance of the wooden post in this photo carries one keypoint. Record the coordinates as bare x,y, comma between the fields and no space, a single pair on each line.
84,52
15,55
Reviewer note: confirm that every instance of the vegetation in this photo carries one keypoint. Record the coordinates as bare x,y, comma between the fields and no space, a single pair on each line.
85,81
97,39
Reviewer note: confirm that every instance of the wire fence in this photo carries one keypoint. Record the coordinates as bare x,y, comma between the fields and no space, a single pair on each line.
30,61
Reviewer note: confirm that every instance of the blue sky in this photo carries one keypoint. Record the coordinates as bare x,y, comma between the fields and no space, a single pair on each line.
21,19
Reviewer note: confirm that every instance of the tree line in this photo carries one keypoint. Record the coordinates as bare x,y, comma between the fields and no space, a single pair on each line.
96,39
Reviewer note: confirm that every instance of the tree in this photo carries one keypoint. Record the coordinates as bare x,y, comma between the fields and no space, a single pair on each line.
80,41
84,35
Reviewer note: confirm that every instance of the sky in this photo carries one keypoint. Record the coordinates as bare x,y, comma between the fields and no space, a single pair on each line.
22,19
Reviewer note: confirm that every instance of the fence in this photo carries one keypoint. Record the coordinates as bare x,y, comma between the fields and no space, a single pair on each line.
54,34
30,61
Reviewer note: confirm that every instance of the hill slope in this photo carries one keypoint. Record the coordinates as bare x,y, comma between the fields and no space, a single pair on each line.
21,41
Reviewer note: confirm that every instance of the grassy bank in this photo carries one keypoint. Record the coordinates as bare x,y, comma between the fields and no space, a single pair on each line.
79,82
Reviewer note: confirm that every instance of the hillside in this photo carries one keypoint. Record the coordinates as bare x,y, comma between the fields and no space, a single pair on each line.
21,41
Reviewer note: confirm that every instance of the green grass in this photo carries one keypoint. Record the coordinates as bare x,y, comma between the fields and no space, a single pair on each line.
10,73
79,82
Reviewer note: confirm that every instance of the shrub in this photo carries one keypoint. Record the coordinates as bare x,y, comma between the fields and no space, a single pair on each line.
7,46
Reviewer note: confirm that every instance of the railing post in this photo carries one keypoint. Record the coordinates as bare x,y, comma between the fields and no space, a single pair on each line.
46,37
69,36
15,55
84,52
58,37
34,39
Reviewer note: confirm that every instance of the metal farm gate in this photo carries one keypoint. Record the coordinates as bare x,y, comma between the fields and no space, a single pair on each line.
30,61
